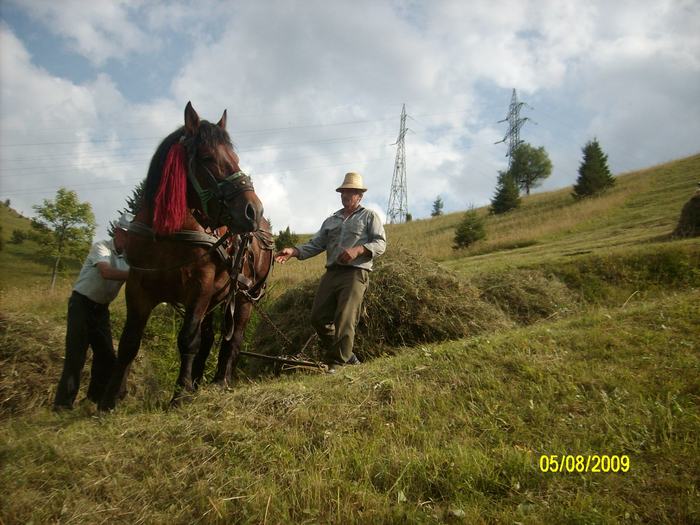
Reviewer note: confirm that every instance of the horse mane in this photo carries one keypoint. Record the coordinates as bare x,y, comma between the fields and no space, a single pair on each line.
166,183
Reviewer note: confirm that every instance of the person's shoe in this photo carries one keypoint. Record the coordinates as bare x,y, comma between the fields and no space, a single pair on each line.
353,360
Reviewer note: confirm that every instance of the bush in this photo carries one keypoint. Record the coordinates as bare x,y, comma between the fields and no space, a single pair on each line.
18,236
469,230
286,239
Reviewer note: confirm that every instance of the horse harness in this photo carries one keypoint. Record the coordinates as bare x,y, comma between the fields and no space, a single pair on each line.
252,288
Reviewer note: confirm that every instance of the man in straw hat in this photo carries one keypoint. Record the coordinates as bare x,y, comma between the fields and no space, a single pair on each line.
102,275
352,237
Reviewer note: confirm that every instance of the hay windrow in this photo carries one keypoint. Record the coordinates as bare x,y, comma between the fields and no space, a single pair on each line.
527,295
409,301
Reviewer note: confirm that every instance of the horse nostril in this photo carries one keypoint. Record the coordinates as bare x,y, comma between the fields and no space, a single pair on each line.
250,212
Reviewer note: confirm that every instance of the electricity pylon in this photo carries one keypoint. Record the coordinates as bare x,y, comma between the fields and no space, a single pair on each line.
398,196
514,125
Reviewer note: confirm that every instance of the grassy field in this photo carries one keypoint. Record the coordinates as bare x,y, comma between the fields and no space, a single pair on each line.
450,432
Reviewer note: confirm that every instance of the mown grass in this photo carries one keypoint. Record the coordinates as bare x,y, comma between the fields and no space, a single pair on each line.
451,432
601,357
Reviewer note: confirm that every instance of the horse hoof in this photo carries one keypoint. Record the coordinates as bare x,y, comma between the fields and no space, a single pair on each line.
105,407
180,398
223,383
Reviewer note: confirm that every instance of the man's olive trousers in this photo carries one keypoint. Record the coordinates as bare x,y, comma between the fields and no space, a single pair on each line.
336,310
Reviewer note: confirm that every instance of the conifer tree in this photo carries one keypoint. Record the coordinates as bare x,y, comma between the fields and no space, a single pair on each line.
469,230
133,204
438,205
594,175
507,196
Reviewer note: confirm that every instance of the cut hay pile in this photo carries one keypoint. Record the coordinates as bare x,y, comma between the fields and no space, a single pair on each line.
689,222
409,301
31,354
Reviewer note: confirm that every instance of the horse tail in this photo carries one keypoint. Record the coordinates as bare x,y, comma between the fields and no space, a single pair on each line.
170,203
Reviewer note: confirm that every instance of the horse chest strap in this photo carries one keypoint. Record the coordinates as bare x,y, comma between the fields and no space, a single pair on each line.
243,280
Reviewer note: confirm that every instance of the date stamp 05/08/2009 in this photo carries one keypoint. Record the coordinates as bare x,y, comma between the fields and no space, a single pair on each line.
570,463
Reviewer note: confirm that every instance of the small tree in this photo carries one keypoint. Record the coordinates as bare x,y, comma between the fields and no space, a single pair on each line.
530,166
63,229
507,196
438,205
594,176
18,236
286,239
469,230
409,217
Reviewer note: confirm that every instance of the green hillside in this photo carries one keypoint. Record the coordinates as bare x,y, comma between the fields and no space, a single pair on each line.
19,263
595,352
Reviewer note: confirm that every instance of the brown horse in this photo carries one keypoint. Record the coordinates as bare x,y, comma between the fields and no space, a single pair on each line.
194,184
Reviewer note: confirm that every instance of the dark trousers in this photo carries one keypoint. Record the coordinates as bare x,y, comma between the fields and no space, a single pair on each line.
336,311
88,326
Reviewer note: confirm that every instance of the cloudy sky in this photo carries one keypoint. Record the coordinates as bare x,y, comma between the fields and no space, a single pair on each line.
315,88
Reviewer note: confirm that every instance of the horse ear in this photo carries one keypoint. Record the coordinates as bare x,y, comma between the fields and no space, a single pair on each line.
222,121
191,119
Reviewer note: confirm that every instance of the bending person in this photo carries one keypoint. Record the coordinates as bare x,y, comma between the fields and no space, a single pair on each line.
88,325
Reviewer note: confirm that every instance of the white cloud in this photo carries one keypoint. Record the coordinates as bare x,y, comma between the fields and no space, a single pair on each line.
58,133
314,89
97,30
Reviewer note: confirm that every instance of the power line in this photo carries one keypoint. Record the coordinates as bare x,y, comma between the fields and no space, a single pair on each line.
236,133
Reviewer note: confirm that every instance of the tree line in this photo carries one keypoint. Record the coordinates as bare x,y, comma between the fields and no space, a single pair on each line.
529,166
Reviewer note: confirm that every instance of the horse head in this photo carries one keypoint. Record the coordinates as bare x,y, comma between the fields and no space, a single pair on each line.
200,171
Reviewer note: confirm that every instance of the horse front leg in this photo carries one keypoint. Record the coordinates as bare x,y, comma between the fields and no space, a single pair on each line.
207,341
188,343
229,352
137,314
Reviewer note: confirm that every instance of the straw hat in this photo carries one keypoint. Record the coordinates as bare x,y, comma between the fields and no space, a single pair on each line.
353,181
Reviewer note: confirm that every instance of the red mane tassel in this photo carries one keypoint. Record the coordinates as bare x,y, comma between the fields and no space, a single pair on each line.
170,205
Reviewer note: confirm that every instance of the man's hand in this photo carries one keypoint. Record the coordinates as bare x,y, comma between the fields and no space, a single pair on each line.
111,274
284,255
350,254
